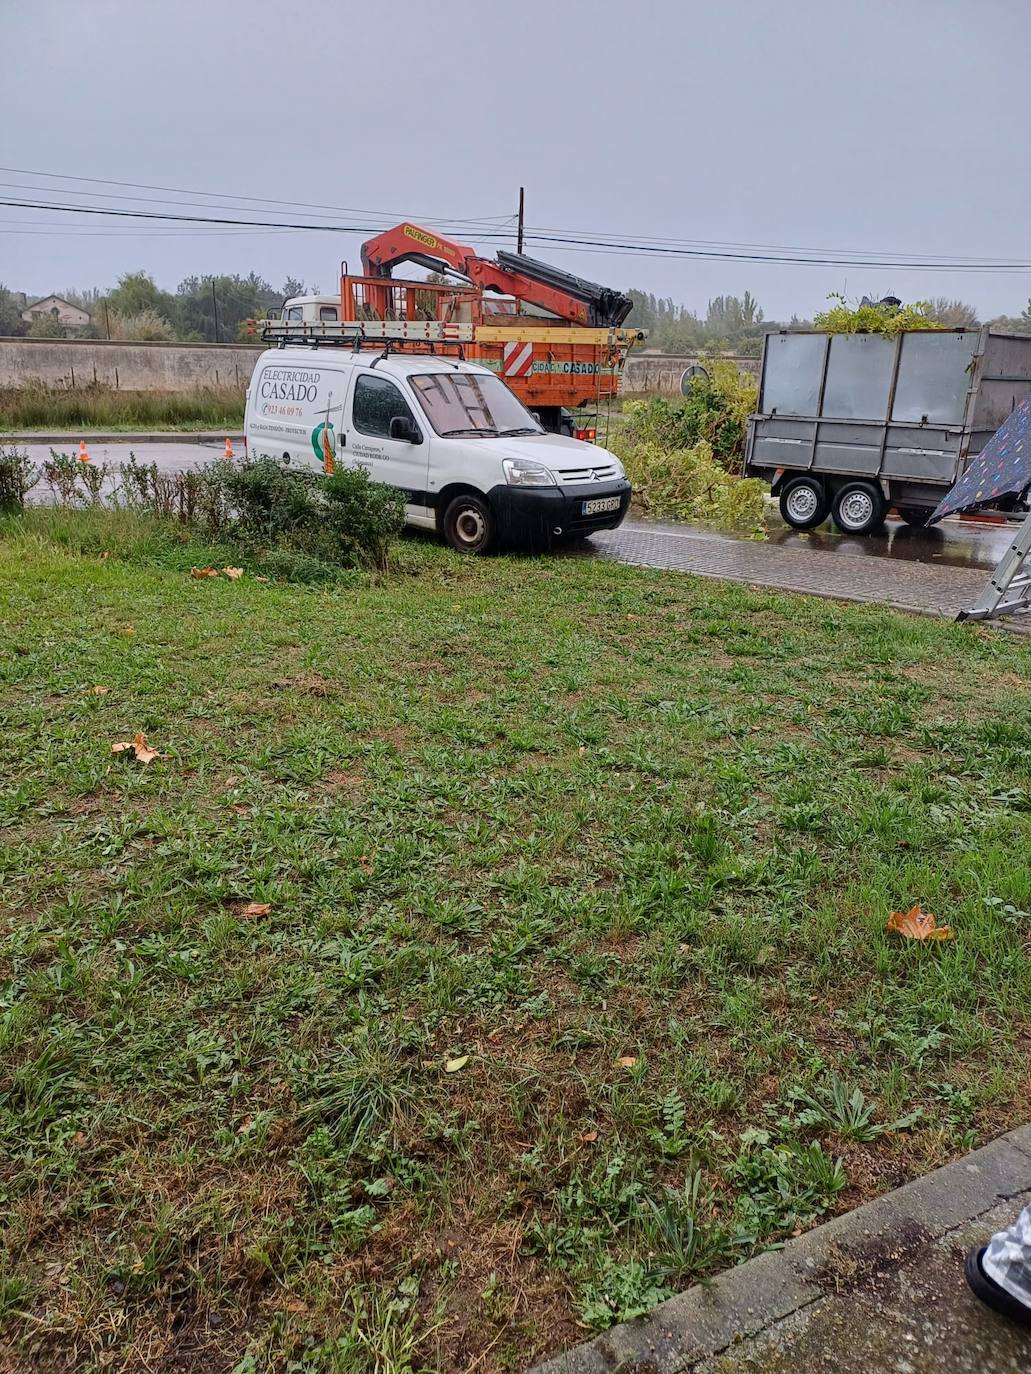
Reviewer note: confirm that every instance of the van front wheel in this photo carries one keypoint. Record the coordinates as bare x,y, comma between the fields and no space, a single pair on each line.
469,525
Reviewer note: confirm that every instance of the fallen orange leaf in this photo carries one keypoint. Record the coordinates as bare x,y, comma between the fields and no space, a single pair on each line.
101,691
138,744
588,1137
233,573
256,909
142,749
203,572
917,924
627,1061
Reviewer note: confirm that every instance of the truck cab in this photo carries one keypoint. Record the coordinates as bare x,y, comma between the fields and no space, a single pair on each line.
474,464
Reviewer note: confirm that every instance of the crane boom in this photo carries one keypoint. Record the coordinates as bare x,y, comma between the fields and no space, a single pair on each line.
568,297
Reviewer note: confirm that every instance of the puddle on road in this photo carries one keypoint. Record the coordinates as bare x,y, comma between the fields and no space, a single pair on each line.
952,544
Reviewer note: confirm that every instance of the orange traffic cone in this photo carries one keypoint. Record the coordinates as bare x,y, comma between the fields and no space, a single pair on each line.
83,454
228,451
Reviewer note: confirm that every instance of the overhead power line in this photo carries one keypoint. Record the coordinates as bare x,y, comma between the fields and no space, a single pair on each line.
232,196
638,242
610,246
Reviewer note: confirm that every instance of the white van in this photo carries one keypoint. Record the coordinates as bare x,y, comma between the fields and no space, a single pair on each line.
472,461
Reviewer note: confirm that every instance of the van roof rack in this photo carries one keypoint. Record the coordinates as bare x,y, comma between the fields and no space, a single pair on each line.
391,333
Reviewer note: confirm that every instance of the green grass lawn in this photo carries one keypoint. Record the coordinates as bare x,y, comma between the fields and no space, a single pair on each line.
614,847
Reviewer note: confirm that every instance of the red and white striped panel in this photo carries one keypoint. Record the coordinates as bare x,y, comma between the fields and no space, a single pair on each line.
517,359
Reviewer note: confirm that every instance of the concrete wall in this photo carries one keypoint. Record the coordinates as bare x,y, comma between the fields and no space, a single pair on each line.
129,366
180,366
659,372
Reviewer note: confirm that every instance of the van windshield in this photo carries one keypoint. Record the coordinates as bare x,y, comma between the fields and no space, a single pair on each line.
471,403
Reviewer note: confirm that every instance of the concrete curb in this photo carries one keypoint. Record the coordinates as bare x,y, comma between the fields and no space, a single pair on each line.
703,1321
125,437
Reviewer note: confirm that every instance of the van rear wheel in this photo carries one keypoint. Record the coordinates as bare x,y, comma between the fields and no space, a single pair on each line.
469,525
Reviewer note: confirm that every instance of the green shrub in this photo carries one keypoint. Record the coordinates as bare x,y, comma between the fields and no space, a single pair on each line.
18,475
369,514
261,506
716,410
687,484
875,318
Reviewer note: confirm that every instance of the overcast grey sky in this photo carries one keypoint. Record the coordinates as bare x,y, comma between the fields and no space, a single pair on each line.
873,125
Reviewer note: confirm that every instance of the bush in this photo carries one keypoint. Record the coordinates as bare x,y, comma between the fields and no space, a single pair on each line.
682,456
687,484
142,327
332,522
875,317
370,514
18,475
715,411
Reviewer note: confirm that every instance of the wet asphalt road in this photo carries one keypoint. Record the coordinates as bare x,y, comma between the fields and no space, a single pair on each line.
954,544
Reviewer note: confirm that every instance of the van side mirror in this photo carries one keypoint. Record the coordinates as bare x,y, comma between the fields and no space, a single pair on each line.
404,428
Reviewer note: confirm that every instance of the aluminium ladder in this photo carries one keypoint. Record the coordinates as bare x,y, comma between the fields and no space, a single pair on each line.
1008,590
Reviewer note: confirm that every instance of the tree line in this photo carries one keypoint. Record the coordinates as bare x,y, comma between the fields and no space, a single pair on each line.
216,309
736,324
202,309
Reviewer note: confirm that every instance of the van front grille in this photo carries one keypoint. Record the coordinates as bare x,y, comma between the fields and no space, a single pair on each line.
603,472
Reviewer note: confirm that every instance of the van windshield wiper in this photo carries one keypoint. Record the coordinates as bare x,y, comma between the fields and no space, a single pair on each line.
471,429
521,429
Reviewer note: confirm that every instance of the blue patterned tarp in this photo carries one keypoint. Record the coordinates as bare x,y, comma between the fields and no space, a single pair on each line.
1002,468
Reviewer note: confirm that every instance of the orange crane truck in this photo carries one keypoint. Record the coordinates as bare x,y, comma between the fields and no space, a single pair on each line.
557,340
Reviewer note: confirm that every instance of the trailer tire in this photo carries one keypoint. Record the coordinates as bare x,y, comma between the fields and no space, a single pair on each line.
859,507
917,516
469,525
803,503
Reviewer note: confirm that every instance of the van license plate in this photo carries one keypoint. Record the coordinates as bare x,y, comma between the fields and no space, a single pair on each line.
602,503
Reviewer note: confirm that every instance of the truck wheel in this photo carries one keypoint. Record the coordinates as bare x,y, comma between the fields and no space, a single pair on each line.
916,516
859,508
469,525
803,503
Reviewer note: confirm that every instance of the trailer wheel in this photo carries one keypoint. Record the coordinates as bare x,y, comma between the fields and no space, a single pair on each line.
859,508
469,525
803,503
917,516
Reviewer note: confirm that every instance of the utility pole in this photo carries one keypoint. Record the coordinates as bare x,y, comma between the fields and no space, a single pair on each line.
214,306
519,231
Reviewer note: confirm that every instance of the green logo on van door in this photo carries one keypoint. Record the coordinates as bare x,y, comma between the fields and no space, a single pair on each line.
324,441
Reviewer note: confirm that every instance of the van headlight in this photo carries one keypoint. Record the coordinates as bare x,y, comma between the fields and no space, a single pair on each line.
524,472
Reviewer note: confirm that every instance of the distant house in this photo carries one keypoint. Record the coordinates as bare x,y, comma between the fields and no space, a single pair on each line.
58,309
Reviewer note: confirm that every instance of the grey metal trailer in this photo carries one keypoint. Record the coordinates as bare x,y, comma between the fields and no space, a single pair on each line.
849,425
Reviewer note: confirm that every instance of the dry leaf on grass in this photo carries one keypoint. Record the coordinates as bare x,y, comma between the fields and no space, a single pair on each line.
256,909
234,574
917,924
588,1137
203,572
453,1065
627,1061
139,746
105,554
101,691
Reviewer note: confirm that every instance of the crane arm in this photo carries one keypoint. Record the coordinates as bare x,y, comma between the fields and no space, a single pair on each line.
568,297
